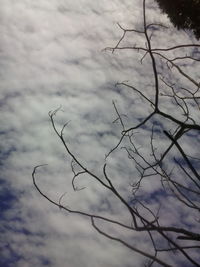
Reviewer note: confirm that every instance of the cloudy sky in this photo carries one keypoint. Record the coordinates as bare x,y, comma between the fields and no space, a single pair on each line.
51,55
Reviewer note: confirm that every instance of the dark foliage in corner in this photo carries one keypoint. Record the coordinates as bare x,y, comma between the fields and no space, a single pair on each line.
184,14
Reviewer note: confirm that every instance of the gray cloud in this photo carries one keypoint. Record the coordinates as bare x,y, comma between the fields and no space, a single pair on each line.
51,55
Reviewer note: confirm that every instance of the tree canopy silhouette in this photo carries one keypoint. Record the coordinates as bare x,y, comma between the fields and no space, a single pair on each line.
161,204
184,14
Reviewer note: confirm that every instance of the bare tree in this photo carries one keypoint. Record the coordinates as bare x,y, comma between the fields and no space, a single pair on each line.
175,165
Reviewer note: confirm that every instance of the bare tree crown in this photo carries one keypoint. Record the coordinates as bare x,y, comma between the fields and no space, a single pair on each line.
174,167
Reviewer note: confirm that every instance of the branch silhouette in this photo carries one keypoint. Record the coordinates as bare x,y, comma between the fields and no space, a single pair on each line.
180,182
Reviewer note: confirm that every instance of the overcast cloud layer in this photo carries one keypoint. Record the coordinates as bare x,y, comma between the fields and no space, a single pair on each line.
50,56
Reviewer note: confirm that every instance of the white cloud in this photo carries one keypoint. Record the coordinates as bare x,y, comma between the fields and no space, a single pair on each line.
50,56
